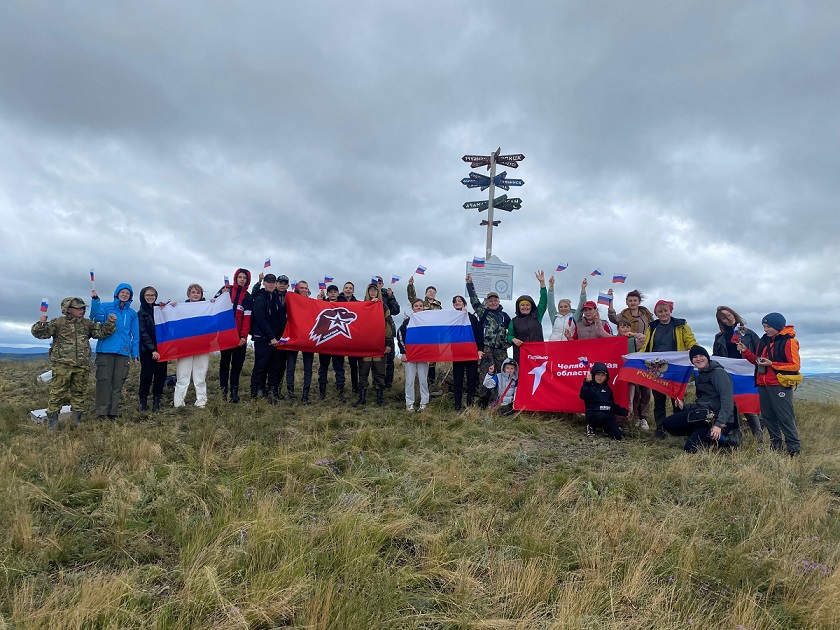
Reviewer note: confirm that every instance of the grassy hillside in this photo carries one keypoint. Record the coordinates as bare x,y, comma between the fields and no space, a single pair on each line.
326,516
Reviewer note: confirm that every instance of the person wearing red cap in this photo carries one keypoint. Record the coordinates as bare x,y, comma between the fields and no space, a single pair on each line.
591,326
666,334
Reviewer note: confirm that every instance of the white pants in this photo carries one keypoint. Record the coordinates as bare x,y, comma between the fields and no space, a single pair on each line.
197,367
421,372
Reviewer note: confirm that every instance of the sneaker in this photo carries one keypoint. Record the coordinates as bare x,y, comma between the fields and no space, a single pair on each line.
660,433
422,408
643,425
590,432
409,408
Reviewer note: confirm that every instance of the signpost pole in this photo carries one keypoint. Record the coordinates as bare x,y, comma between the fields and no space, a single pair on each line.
488,250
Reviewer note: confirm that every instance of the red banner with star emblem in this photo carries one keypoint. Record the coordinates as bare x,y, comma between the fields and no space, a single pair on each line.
551,373
349,329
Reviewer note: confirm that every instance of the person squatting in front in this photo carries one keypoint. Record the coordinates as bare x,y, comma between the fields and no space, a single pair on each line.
503,385
715,405
600,406
70,354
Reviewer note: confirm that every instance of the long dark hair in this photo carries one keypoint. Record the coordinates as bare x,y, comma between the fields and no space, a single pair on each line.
739,321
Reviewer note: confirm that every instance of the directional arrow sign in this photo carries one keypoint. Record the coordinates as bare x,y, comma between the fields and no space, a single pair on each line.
471,183
505,184
517,157
476,158
483,179
508,163
481,206
498,177
495,223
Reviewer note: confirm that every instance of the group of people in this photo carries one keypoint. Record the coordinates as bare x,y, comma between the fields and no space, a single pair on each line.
126,336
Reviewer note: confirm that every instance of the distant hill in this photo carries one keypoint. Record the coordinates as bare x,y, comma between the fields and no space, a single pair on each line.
26,350
820,388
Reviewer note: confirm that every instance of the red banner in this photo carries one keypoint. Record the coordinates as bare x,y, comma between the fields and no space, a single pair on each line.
551,373
349,329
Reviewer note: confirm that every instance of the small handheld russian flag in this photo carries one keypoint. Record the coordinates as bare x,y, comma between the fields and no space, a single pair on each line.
91,275
227,282
605,298
293,286
45,305
322,286
395,279
619,278
736,336
328,279
477,262
283,340
584,361
267,263
420,270
597,272
374,280
562,267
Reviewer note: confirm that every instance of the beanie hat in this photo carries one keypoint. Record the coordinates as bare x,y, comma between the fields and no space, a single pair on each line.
697,351
776,321
600,368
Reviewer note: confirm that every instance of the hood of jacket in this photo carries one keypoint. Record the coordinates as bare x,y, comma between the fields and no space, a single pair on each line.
144,306
119,288
788,330
507,362
599,367
526,298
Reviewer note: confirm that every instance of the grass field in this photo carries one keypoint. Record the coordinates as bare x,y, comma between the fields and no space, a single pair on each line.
251,516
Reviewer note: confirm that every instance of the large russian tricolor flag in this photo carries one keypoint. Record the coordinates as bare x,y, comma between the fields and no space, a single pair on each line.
666,372
670,372
191,328
439,336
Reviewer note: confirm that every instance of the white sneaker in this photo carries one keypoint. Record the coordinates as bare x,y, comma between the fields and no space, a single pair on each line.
422,408
409,408
643,425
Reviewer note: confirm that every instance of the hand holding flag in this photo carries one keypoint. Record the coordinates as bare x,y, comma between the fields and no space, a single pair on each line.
227,282
45,305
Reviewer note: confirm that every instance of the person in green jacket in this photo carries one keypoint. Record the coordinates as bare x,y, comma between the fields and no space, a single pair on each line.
70,354
526,325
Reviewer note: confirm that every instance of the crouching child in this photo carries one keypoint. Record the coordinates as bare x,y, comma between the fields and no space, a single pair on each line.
70,354
504,385
601,408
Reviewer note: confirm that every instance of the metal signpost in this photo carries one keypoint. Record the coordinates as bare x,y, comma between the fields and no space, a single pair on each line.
476,180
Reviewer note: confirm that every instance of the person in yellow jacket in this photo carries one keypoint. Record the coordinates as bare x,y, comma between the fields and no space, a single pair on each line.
666,334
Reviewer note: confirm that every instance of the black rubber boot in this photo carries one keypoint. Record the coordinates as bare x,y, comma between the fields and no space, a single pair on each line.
304,398
224,393
234,395
380,396
362,397
341,397
52,419
291,393
144,403
155,403
322,390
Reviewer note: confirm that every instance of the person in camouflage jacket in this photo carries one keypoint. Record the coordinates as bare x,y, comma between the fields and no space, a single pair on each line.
429,301
70,354
495,323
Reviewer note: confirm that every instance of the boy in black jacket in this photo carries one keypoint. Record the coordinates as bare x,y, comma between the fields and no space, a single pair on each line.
601,409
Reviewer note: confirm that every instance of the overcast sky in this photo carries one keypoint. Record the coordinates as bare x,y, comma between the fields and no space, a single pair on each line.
691,145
